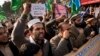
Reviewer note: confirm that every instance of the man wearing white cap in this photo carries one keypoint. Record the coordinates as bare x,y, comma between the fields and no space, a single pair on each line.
36,30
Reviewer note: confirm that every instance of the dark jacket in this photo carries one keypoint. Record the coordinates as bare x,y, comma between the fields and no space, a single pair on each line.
13,48
60,47
77,39
51,27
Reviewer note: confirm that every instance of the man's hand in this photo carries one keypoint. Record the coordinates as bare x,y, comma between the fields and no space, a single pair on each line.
66,34
92,33
26,7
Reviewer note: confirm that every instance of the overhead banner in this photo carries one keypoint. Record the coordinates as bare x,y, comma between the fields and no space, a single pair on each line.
38,9
85,2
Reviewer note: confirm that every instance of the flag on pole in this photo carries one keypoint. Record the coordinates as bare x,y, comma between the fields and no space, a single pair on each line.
75,6
48,5
16,4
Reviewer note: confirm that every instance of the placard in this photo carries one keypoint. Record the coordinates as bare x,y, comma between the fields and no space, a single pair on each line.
60,10
91,48
38,9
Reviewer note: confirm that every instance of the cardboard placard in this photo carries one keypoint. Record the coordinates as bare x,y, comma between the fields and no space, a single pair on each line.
60,10
38,9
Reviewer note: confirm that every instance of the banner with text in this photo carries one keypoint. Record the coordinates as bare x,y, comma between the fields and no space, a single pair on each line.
38,9
91,48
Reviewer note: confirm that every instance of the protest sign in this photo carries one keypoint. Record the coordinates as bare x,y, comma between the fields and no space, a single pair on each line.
60,10
91,48
38,9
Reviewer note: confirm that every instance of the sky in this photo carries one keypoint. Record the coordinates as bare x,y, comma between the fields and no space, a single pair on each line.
2,1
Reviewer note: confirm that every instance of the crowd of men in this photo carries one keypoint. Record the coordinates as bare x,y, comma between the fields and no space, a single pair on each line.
46,36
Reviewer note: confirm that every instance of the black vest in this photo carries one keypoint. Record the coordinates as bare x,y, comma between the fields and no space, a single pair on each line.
13,48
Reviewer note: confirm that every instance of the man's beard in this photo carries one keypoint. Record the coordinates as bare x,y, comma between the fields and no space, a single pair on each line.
40,42
4,43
